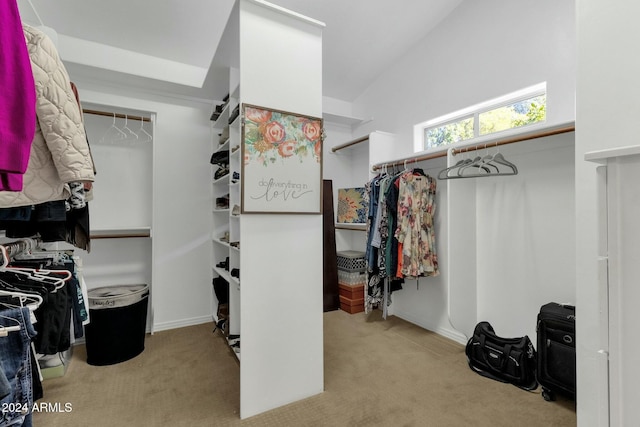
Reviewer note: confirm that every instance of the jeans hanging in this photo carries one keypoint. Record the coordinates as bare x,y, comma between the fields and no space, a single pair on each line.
15,353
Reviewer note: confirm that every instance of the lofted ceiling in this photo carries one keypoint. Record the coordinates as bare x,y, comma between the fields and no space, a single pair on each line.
169,45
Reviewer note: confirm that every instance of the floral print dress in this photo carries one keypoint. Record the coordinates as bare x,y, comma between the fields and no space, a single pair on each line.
415,228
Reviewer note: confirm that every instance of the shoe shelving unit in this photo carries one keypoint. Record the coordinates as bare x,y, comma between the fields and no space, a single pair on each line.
274,59
225,135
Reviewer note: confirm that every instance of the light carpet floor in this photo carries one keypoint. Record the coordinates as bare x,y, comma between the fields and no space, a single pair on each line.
377,373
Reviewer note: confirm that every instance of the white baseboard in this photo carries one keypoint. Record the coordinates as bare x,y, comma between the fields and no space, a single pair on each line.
164,326
450,333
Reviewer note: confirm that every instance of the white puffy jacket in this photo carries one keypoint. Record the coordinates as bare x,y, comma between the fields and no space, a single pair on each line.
59,152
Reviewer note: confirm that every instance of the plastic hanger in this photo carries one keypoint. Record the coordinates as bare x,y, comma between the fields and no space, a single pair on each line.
477,162
499,158
32,301
146,136
125,129
55,256
444,173
4,330
118,134
482,163
38,275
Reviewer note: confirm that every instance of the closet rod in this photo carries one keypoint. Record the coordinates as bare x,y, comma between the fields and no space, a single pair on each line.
349,144
518,138
541,134
119,236
118,115
414,159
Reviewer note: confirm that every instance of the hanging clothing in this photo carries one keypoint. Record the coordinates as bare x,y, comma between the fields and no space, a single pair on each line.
391,247
60,307
18,100
15,357
415,230
374,293
59,152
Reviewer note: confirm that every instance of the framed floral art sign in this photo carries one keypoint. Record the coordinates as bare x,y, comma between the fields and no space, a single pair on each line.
282,162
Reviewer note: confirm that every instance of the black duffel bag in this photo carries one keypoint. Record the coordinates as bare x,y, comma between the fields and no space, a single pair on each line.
509,360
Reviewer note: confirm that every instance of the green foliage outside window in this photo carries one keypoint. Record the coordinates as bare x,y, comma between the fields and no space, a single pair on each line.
515,115
518,114
450,133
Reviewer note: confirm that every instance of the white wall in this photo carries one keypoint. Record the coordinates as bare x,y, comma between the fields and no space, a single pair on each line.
123,196
607,111
525,236
481,51
181,204
345,168
124,173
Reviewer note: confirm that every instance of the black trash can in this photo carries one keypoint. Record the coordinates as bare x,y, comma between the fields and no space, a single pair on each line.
118,321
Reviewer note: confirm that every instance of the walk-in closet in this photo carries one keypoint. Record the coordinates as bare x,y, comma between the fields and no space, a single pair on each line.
297,213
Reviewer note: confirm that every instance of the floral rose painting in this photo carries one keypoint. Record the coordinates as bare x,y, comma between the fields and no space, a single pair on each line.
281,164
351,206
272,137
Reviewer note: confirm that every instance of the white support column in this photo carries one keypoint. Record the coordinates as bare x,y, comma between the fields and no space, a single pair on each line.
281,255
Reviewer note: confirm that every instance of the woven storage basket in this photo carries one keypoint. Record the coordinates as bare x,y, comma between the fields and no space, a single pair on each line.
351,261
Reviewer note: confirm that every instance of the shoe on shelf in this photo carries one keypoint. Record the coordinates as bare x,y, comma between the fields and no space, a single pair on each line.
234,149
223,264
235,273
222,171
235,244
220,158
236,210
234,114
222,202
225,134
225,237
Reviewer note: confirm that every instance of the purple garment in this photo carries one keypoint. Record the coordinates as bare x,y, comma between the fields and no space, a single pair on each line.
18,99
11,181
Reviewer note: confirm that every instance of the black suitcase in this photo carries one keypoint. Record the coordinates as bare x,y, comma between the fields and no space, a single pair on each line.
556,332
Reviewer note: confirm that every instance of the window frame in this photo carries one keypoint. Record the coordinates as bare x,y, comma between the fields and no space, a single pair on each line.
474,111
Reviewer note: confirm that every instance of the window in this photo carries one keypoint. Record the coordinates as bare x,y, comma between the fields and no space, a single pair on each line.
450,132
514,115
521,108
